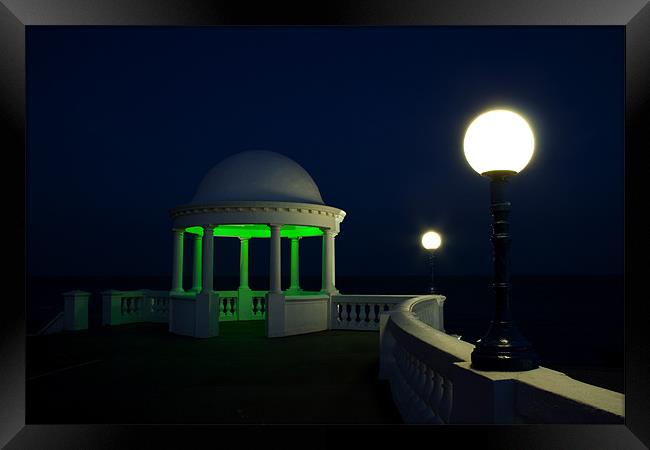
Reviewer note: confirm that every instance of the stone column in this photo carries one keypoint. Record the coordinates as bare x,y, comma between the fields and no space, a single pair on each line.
294,286
206,313
334,262
323,277
177,269
275,305
275,263
243,263
328,265
196,274
208,259
244,293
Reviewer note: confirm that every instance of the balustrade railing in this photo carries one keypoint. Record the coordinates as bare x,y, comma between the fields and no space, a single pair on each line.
228,307
430,310
432,380
259,305
422,394
156,304
361,312
121,307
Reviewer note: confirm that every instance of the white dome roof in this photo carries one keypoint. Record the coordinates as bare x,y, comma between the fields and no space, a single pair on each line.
257,175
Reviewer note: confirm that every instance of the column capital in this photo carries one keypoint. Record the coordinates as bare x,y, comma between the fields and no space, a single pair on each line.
275,225
241,239
329,232
178,230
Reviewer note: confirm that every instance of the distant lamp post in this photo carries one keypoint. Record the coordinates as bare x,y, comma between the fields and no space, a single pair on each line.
431,241
498,144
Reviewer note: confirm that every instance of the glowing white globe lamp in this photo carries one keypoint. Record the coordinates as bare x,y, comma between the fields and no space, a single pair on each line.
499,140
431,240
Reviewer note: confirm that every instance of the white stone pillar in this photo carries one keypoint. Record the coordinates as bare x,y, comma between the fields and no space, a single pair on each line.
323,277
243,263
206,323
294,286
196,273
208,259
276,259
275,306
334,262
177,269
244,293
328,250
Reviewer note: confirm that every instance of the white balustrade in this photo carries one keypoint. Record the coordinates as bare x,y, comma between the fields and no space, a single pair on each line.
228,307
259,305
361,312
121,307
432,380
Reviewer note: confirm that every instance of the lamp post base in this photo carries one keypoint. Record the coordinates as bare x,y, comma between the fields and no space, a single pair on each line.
504,349
504,360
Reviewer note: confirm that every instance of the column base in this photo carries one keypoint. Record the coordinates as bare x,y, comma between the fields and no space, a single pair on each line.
244,303
275,317
332,291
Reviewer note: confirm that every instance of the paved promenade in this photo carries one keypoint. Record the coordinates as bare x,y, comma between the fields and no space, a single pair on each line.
140,373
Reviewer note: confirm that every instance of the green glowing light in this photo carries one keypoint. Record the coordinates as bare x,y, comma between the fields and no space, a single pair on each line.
258,231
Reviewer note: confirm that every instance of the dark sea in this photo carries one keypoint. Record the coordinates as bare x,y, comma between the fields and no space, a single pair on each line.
574,323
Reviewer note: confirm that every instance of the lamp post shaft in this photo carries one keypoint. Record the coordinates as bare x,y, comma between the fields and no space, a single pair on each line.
432,287
502,348
500,209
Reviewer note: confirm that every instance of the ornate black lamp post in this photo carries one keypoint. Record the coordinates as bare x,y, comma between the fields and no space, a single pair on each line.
498,144
431,241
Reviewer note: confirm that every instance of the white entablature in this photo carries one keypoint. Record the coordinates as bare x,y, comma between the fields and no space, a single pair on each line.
258,212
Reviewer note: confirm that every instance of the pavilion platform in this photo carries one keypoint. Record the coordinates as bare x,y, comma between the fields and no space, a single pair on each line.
140,373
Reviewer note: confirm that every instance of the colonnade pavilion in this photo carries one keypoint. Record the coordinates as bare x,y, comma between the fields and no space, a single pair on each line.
252,194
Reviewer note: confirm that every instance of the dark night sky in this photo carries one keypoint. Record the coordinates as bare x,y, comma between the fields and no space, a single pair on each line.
124,123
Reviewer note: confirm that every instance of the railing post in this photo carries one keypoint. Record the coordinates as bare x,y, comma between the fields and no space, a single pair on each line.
333,312
111,307
145,314
440,302
75,310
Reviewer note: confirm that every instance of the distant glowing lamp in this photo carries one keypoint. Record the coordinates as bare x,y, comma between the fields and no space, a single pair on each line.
499,144
431,241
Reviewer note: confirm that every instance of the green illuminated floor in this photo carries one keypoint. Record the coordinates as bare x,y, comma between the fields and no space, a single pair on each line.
141,374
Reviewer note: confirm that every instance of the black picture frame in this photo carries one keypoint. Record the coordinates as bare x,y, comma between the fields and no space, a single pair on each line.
16,15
